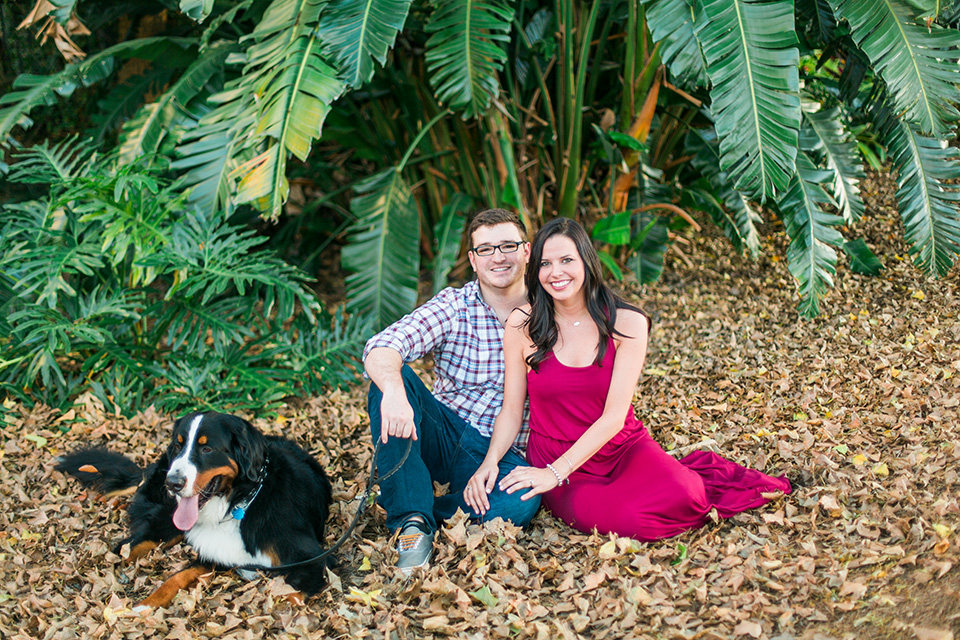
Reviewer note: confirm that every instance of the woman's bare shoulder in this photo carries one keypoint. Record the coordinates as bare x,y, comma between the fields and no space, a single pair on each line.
631,323
518,317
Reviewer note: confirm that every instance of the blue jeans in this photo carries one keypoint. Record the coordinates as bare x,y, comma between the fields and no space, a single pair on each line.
447,450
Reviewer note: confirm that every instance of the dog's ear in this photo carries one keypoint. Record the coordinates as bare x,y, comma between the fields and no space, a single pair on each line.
249,447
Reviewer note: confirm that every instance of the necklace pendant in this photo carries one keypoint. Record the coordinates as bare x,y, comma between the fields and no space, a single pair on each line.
577,323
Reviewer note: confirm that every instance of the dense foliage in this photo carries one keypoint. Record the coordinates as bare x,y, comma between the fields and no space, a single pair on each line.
123,289
378,124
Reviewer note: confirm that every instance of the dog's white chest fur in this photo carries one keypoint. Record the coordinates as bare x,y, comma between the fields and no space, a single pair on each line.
216,537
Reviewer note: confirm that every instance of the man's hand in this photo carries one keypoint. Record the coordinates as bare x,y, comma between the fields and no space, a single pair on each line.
384,366
396,416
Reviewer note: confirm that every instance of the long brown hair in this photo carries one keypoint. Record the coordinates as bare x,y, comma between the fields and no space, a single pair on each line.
602,303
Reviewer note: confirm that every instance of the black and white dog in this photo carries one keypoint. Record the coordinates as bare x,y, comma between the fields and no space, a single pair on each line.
241,499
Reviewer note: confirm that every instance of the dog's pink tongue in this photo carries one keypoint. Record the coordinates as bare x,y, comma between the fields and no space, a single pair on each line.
188,510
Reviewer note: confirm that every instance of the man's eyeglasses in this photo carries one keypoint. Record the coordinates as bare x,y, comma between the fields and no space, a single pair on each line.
486,250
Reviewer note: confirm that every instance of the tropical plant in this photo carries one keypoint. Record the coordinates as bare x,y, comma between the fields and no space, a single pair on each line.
113,283
569,107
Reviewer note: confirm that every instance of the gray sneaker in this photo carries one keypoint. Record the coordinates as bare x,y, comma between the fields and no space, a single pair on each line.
414,546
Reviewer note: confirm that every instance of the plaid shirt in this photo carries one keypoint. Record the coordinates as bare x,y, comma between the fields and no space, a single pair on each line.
466,339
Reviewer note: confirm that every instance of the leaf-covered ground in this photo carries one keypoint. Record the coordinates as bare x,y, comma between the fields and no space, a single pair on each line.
863,403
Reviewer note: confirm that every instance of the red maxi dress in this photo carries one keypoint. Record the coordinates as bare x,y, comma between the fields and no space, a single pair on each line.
631,486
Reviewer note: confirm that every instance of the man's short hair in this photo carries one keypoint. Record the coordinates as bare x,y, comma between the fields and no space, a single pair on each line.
493,217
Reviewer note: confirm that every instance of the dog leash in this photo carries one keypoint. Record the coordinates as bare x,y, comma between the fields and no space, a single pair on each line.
373,479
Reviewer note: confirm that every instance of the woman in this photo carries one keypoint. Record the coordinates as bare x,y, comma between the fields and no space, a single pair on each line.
578,351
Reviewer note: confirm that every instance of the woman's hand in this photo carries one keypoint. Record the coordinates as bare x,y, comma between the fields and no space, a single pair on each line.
536,479
480,486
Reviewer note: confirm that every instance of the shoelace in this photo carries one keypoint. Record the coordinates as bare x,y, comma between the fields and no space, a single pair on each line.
409,541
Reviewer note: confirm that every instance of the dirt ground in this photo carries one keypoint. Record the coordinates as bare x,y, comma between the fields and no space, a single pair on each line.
862,404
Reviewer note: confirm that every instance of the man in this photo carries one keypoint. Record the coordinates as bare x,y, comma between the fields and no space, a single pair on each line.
449,428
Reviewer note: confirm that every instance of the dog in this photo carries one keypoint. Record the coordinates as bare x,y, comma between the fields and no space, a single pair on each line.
239,498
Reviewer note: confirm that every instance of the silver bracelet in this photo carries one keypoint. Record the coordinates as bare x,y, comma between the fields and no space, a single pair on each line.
564,456
560,479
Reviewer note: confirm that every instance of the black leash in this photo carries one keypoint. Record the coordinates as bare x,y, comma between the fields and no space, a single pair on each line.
371,480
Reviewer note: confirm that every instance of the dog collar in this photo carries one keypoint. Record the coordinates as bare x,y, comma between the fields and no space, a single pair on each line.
240,509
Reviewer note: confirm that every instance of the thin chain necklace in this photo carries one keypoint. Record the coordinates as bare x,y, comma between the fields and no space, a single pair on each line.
579,320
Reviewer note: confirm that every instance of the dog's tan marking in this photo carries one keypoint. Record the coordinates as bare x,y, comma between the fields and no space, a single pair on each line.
271,553
166,592
139,550
296,599
203,479
143,548
129,491
202,440
88,468
169,543
179,439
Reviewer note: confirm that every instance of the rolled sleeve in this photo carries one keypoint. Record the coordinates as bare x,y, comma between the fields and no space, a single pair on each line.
423,330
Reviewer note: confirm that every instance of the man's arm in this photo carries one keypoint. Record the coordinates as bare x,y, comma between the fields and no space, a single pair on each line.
384,365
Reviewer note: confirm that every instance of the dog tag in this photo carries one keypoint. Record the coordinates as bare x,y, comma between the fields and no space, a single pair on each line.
238,513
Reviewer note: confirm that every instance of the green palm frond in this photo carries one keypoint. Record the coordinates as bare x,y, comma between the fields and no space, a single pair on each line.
823,134
671,23
241,379
211,152
31,91
862,259
51,270
213,258
143,134
918,63
124,100
928,198
357,32
325,354
738,218
197,326
129,220
463,55
381,254
293,88
751,54
9,302
816,19
447,233
537,31
212,30
52,164
197,10
811,255
649,246
47,338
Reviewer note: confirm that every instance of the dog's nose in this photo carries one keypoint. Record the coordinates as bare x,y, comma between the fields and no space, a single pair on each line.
176,482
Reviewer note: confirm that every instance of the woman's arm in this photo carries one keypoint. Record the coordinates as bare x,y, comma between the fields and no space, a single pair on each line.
627,367
509,420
